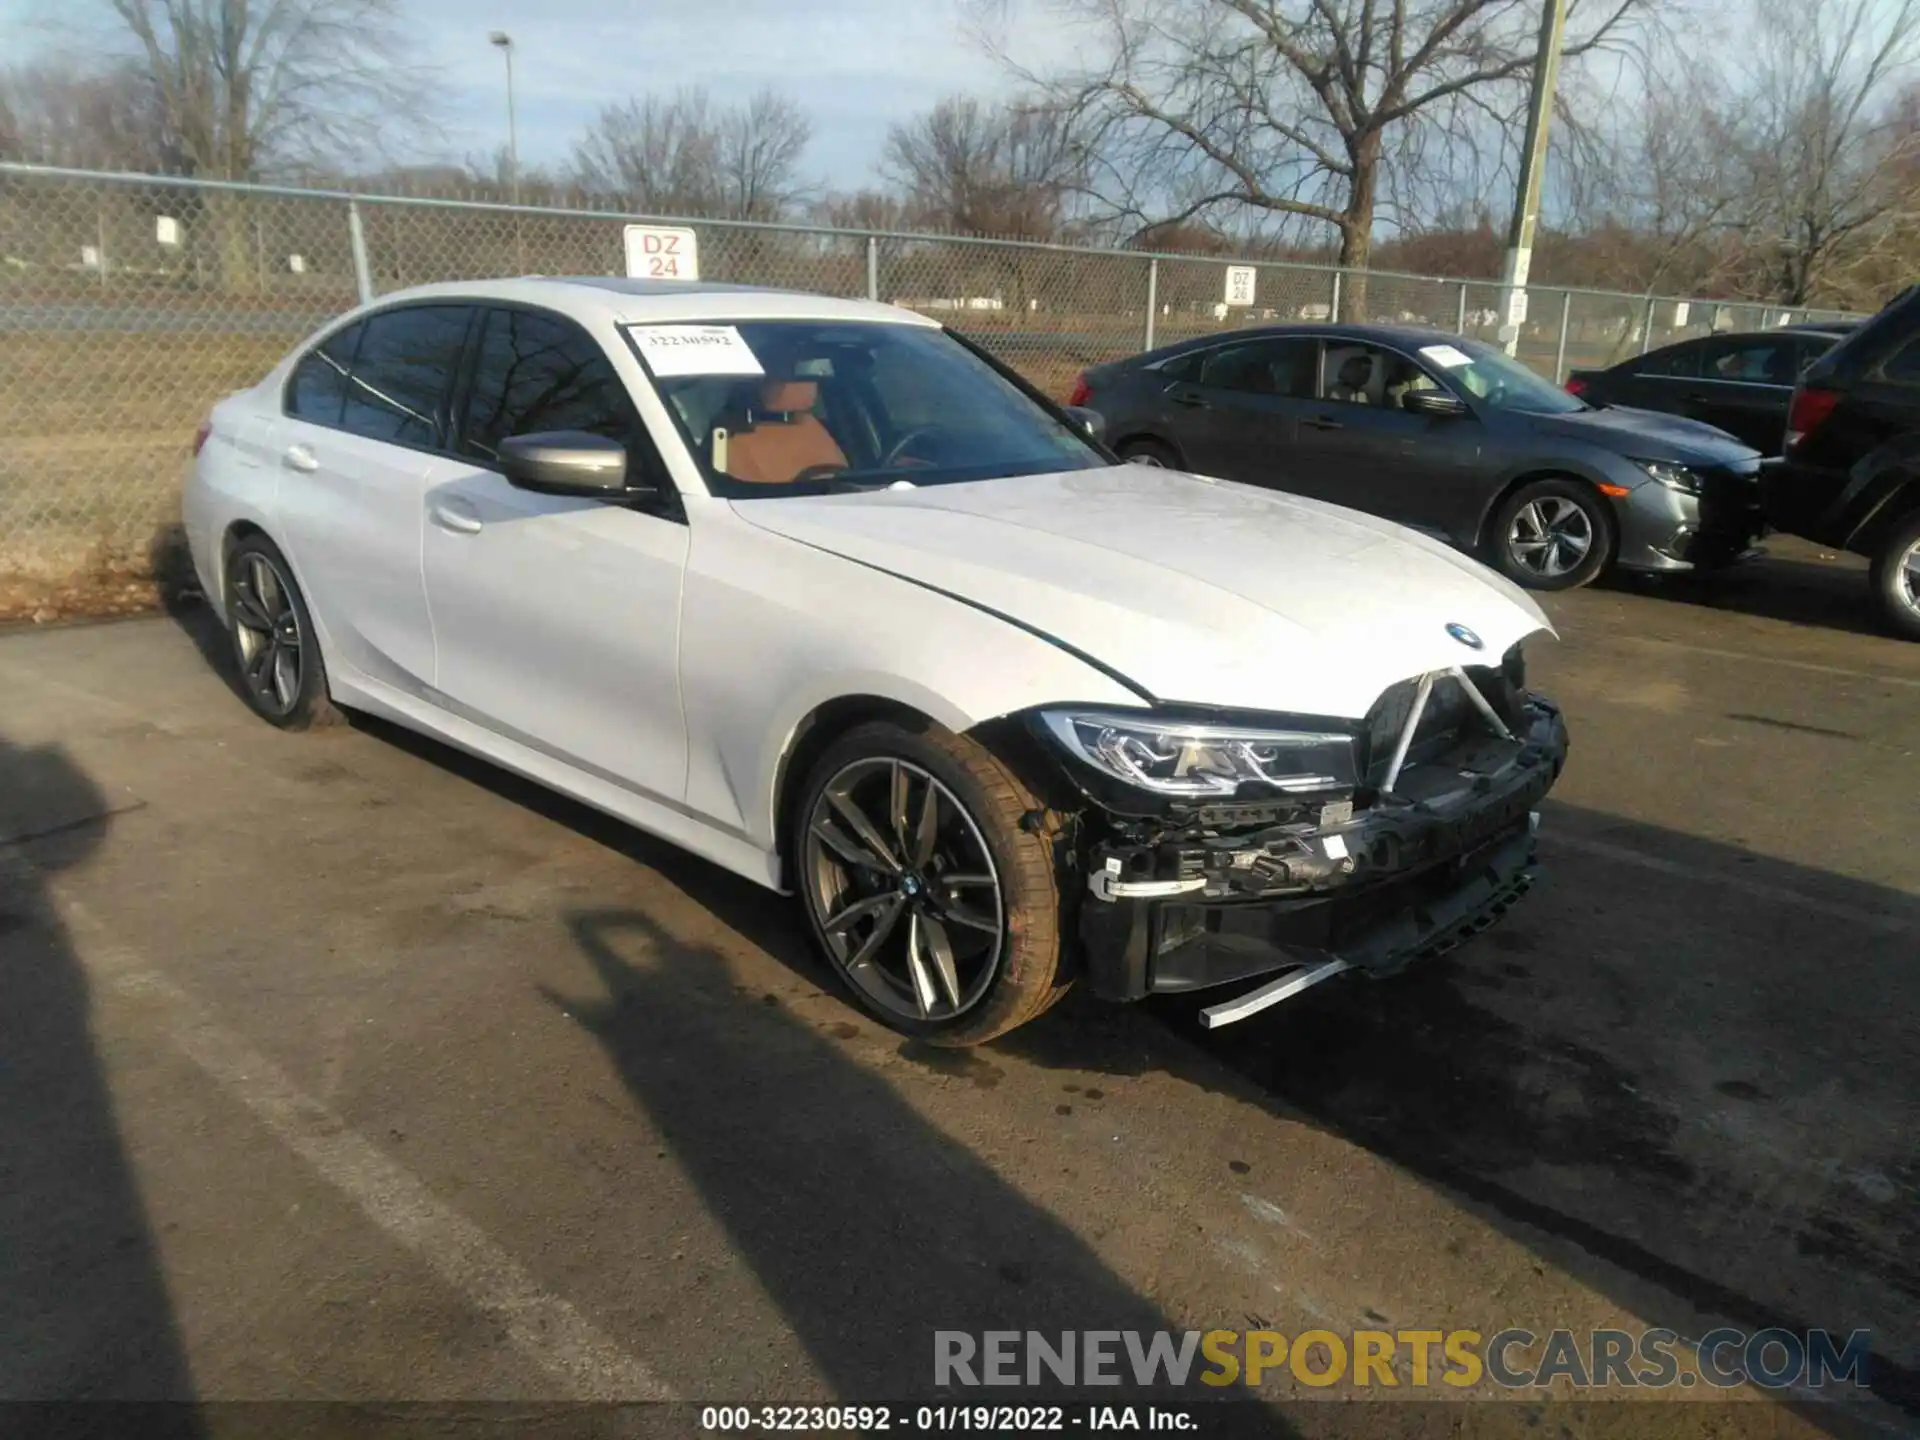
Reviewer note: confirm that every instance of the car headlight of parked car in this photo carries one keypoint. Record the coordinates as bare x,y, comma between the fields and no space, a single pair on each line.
1183,759
1673,476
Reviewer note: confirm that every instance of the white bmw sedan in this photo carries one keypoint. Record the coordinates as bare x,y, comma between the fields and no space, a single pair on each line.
818,591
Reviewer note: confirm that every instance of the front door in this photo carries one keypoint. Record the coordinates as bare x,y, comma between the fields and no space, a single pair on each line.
558,618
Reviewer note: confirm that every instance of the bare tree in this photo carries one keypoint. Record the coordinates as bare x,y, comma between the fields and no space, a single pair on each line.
681,155
53,113
1291,109
1827,148
250,86
986,169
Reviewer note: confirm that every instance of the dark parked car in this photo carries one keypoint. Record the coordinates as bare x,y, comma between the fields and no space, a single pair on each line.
1443,434
1850,477
1740,383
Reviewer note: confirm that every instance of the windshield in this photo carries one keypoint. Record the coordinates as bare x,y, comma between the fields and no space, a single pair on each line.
1498,380
785,407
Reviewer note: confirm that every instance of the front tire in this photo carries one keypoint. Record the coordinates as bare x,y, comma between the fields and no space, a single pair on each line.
1146,451
281,674
926,889
1896,579
1552,535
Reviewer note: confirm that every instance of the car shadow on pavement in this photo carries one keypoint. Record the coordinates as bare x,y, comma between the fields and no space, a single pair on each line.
1797,588
1679,1071
867,1227
84,1309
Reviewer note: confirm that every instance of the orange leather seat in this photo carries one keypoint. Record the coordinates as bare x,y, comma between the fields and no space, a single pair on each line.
783,436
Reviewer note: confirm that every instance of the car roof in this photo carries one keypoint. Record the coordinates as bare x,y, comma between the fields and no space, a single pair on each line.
1403,336
617,299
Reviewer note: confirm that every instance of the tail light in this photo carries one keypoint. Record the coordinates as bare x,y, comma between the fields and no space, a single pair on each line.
200,436
1576,386
1082,392
1809,411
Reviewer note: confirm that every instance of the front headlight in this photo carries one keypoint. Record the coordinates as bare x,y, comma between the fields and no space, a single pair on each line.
1672,475
1188,760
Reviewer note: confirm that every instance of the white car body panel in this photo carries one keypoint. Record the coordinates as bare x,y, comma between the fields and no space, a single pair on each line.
659,669
1200,590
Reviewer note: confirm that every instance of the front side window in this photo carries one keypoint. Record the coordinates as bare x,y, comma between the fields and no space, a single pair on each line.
317,389
401,376
534,373
1496,380
772,407
1756,362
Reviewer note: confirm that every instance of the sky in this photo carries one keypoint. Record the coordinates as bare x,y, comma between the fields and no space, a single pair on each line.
855,66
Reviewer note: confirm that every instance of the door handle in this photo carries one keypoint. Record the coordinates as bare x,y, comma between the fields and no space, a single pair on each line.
1191,401
299,457
458,521
1323,422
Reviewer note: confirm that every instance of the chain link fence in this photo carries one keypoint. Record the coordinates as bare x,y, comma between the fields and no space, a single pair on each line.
130,304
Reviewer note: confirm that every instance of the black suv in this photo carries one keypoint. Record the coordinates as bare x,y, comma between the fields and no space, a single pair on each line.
1850,477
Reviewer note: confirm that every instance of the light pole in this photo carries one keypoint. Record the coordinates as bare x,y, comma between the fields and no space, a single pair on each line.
1533,166
503,42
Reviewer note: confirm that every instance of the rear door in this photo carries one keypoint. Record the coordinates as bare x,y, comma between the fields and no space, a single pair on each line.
1239,406
1659,380
365,416
1744,387
558,617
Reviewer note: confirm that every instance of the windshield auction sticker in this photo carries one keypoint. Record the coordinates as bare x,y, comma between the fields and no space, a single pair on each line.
695,350
1446,356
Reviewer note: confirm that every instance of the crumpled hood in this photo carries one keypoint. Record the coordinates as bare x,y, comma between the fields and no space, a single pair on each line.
1195,590
1649,435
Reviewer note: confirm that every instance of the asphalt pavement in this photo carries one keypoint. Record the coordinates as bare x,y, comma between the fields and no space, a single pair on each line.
341,1067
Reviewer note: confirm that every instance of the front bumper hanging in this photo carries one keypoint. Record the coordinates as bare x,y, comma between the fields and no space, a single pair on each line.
1446,847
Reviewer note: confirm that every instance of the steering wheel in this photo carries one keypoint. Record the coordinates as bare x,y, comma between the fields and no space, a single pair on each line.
899,448
826,470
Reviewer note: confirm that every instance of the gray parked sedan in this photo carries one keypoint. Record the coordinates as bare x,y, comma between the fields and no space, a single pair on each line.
1443,434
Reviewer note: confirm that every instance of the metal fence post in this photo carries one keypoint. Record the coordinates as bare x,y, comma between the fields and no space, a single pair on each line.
873,267
1460,323
1560,355
1153,298
1646,330
1333,312
362,272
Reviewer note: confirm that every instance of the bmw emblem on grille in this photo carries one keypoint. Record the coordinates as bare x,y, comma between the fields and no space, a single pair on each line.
1464,635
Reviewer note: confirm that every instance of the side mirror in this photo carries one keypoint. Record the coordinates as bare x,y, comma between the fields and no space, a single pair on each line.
1437,403
566,462
1092,423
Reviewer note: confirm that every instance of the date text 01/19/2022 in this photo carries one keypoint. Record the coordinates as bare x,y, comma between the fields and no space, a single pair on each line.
987,1419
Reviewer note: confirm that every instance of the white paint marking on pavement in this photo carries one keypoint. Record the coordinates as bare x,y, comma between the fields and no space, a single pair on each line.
1817,669
541,1325
1774,894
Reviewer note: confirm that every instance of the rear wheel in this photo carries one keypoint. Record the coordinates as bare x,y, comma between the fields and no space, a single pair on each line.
281,673
934,904
1144,451
1896,579
1552,535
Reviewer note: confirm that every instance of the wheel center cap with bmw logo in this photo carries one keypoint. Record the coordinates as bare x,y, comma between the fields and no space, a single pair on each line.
1465,636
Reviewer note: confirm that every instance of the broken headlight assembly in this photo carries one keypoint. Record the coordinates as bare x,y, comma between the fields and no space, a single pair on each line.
1179,759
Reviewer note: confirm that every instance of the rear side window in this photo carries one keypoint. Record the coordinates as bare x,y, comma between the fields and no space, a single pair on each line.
1264,367
402,374
1677,360
318,387
1903,366
536,372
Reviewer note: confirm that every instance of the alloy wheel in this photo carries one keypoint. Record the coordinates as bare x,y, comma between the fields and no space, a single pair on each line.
904,890
1550,536
266,634
1906,577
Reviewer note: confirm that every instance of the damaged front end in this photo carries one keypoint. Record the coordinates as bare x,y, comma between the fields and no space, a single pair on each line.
1218,852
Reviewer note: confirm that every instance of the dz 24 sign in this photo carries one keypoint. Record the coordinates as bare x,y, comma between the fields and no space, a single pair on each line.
661,252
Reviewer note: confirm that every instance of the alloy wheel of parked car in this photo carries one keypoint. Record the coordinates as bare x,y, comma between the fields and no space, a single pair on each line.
1149,452
926,899
1552,535
1896,579
281,673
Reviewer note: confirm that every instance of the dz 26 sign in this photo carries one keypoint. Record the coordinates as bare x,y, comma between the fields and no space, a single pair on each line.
659,252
